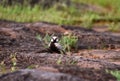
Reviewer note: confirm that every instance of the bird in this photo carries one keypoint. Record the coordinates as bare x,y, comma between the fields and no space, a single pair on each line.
54,45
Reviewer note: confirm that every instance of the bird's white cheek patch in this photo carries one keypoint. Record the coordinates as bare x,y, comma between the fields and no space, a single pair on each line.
57,40
52,40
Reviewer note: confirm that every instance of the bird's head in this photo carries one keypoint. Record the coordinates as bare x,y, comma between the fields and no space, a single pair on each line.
54,39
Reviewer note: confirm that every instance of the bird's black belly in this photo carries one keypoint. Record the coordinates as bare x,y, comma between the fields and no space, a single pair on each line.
53,48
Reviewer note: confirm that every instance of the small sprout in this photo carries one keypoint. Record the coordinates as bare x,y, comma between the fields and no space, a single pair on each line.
38,37
73,62
45,39
59,61
14,62
115,73
2,67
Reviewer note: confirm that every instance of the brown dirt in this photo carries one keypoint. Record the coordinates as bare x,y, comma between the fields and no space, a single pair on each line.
96,51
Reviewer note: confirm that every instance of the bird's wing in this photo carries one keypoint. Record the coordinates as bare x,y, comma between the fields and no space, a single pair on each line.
58,46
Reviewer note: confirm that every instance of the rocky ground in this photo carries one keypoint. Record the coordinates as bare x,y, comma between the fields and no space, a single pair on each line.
97,52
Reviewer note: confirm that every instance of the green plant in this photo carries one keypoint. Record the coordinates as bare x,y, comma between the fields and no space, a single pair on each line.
38,36
115,73
59,61
69,42
14,62
72,62
87,20
114,27
2,68
45,39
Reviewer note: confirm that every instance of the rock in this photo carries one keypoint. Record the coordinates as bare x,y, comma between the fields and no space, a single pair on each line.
7,36
52,59
89,74
30,52
44,28
37,75
8,32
